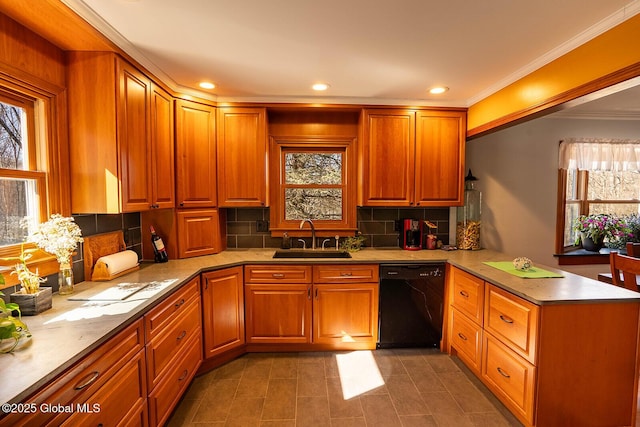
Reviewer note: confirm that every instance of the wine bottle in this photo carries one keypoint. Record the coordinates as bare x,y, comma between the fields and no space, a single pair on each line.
159,251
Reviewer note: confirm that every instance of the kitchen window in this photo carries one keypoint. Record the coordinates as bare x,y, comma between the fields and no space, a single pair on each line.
596,176
313,178
32,182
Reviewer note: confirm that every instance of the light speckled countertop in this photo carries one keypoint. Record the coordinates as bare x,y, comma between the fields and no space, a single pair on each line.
71,329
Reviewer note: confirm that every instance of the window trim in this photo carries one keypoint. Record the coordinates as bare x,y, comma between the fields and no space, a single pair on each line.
49,153
282,144
582,187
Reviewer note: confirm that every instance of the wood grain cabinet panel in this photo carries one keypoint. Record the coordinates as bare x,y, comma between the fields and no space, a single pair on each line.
201,232
553,364
242,157
120,137
90,381
412,157
222,310
195,155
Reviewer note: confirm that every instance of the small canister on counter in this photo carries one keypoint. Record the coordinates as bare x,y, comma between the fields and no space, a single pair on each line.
468,216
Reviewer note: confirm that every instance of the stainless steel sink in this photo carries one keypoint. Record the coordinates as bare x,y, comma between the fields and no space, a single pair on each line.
308,253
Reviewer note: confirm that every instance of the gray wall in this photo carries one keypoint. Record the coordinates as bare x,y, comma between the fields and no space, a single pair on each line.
517,172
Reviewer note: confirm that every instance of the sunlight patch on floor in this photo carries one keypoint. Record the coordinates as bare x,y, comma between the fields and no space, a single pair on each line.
359,373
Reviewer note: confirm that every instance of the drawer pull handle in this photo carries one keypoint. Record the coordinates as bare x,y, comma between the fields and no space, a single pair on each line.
347,274
506,319
179,303
89,380
184,375
462,337
464,294
503,373
182,335
277,275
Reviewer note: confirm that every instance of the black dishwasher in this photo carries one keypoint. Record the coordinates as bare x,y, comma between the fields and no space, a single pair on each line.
411,305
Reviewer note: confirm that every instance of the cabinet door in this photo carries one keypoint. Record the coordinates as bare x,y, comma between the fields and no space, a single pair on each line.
223,310
195,155
278,313
388,157
162,147
345,314
440,137
133,116
201,232
242,157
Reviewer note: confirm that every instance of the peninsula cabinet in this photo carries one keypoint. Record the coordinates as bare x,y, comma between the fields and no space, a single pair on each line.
312,307
242,157
222,311
120,136
109,386
553,364
412,157
195,155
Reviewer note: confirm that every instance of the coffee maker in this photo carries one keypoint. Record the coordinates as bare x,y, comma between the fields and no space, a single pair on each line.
412,232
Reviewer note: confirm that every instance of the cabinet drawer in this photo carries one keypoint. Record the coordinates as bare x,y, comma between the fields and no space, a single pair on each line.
174,382
468,294
512,320
277,274
466,337
121,401
171,308
83,379
510,376
367,273
169,345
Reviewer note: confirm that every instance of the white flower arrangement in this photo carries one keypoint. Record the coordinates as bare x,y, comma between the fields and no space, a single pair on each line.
58,236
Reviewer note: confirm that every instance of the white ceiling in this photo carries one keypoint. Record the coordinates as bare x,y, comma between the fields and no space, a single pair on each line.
369,51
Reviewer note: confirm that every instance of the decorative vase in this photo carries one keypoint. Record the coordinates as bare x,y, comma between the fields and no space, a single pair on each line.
589,244
65,279
32,304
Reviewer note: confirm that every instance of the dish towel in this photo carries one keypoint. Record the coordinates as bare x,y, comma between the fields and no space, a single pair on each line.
532,273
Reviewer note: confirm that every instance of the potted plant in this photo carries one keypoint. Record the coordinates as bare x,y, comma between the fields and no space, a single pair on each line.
12,330
594,229
31,298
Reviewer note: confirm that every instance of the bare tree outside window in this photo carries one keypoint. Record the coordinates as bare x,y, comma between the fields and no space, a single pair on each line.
313,185
14,203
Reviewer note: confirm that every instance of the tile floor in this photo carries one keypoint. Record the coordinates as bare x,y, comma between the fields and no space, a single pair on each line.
410,387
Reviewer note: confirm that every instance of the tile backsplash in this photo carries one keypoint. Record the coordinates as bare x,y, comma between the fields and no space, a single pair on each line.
378,225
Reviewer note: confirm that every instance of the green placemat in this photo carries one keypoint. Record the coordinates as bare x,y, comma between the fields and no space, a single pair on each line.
532,273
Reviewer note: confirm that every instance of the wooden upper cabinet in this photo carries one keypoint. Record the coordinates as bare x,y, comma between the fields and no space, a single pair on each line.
195,155
242,157
121,137
109,134
162,148
388,152
412,157
440,139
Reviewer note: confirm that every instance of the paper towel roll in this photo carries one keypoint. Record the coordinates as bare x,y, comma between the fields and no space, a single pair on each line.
118,262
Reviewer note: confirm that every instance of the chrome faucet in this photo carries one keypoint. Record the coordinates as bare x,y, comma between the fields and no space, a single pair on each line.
313,232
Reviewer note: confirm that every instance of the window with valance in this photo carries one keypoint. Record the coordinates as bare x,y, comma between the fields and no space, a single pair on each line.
596,176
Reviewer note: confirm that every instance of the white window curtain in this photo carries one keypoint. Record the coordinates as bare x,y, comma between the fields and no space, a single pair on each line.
600,154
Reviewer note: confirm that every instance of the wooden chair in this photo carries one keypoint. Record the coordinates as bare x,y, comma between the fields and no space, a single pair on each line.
633,249
625,270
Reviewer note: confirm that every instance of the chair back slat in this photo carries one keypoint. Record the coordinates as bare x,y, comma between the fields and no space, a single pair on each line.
624,270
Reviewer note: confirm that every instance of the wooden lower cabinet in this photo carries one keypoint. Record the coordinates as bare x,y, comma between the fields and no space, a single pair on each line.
329,306
112,376
555,364
173,349
222,310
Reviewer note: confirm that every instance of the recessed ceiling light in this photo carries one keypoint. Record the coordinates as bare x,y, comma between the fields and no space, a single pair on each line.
320,86
438,90
207,85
